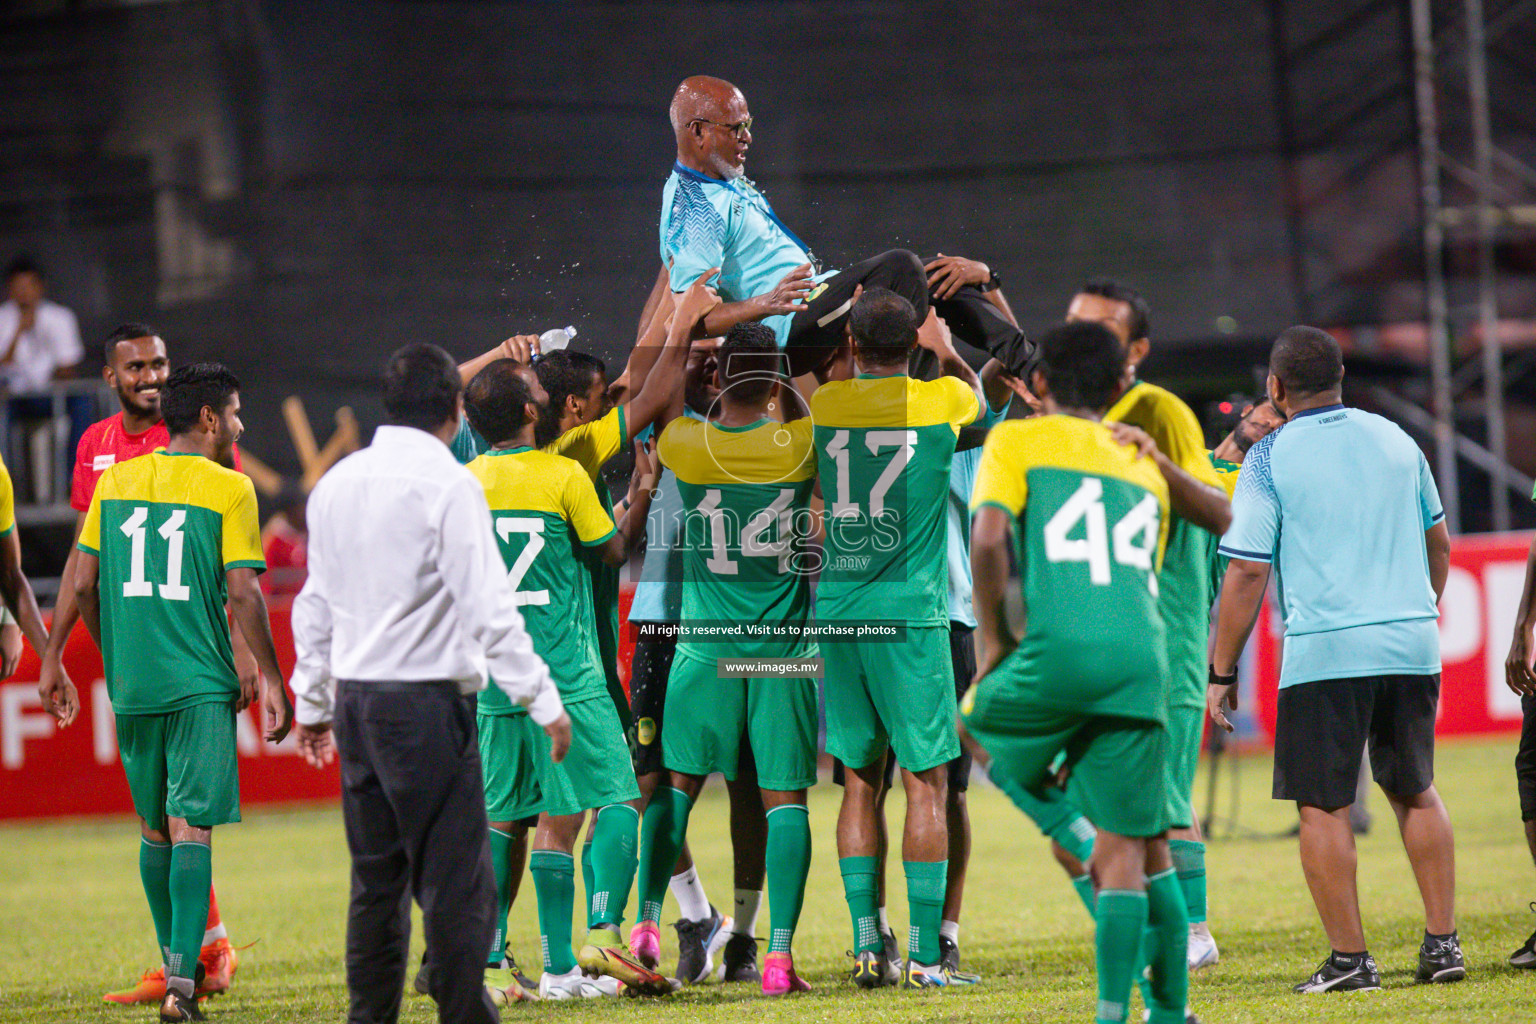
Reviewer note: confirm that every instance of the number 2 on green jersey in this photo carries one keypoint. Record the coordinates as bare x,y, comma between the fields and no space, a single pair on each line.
1134,536
534,528
135,529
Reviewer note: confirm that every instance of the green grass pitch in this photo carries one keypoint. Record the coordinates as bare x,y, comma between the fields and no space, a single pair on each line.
73,922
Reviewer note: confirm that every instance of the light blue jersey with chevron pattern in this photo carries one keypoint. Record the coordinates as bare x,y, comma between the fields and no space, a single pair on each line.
707,222
962,480
1338,501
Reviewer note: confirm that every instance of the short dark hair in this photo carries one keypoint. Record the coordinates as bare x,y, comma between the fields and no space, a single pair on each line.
1118,291
495,400
190,389
421,386
125,332
1307,361
1082,363
885,326
23,265
566,372
750,361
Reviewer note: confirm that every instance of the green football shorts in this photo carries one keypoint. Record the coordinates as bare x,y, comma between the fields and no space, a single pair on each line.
597,771
1186,728
182,764
899,695
511,749
706,717
1119,772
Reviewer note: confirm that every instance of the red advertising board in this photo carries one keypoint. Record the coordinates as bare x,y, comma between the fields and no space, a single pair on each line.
1477,619
47,771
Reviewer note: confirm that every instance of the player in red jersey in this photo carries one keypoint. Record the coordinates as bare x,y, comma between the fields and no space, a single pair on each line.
137,368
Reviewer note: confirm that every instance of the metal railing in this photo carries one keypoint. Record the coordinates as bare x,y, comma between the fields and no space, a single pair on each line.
38,448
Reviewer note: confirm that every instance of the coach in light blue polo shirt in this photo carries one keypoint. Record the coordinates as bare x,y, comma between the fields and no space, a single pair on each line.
1341,504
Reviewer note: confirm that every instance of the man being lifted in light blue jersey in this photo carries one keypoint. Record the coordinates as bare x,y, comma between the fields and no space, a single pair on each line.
712,216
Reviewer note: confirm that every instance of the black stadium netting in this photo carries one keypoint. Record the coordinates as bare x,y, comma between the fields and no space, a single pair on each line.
299,187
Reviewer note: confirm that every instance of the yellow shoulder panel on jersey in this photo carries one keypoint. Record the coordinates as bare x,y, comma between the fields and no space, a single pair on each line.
524,479
768,452
183,478
592,444
174,479
7,502
534,480
1171,423
898,401
1015,447
1226,472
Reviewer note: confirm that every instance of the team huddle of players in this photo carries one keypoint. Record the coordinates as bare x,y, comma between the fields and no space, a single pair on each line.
1112,530
909,484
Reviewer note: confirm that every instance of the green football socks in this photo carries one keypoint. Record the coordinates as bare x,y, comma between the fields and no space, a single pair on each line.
554,881
789,865
662,831
1121,915
191,877
155,873
861,888
587,881
1189,864
1049,807
615,839
1167,992
501,868
1084,886
925,906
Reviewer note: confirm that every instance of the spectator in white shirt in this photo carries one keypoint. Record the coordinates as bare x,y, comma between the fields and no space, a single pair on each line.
406,610
40,339
39,343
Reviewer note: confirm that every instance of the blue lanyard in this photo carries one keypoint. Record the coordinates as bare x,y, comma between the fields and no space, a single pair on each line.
689,172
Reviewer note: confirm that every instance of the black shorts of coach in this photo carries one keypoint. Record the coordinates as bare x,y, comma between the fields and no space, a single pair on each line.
1525,760
1322,728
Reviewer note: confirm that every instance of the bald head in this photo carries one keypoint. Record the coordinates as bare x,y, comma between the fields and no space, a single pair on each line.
712,125
702,97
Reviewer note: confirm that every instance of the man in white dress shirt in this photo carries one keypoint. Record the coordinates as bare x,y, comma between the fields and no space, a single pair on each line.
39,340
406,611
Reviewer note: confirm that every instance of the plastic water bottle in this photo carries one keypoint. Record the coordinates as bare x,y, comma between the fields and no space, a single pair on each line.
556,339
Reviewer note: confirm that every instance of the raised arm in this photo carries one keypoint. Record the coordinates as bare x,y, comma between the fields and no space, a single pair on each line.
948,274
660,398
629,525
653,336
519,347
934,336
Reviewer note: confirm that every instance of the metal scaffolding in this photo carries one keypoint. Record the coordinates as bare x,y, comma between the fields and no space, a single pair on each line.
1455,138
